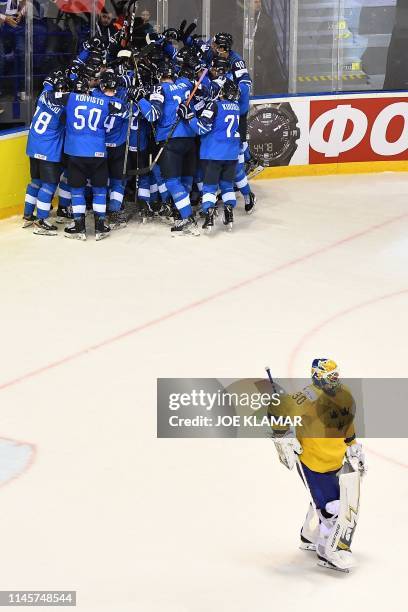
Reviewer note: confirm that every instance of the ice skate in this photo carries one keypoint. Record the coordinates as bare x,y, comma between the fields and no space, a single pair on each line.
101,229
340,561
42,227
306,544
185,227
145,211
228,217
76,229
208,220
250,204
310,530
253,167
117,220
28,221
64,215
165,213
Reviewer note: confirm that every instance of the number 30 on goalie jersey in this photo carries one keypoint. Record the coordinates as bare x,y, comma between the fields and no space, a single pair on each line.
218,127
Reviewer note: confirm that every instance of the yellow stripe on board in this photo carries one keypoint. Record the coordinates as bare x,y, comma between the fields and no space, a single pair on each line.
322,77
324,169
15,174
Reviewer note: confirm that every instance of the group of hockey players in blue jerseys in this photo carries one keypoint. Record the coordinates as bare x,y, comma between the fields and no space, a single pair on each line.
160,122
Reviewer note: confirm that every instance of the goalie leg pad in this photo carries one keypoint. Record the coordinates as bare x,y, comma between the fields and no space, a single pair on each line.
347,518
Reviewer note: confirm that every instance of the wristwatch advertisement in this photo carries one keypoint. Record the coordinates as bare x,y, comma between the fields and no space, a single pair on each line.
273,133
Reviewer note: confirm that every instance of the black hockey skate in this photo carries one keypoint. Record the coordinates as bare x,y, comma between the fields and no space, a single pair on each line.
228,219
29,221
64,214
101,230
42,227
166,212
253,167
208,220
185,227
145,211
117,219
76,230
250,204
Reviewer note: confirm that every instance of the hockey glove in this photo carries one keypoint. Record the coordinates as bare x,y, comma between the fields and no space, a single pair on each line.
288,447
153,37
136,93
184,112
183,33
356,458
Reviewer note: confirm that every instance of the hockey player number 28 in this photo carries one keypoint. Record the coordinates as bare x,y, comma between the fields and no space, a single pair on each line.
93,119
42,122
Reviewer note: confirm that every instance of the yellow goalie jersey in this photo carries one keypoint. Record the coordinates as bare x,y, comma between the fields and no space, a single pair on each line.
327,424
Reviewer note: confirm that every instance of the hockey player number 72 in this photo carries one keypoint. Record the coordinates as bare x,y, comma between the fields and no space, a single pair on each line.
93,119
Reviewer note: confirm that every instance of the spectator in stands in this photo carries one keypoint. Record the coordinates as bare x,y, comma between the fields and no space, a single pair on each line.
146,16
270,71
12,39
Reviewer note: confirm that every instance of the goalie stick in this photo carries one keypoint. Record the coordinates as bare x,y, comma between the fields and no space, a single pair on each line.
173,129
298,462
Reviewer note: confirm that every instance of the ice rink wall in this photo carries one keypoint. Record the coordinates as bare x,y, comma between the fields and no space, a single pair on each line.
14,172
330,134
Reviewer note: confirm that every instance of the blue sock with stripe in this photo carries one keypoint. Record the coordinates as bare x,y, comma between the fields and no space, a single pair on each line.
180,197
209,196
228,193
78,201
44,199
64,192
30,200
116,193
99,201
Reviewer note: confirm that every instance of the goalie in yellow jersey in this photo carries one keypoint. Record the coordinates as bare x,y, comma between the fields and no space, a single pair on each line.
329,461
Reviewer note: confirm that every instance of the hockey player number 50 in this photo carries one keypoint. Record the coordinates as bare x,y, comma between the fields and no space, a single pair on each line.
93,119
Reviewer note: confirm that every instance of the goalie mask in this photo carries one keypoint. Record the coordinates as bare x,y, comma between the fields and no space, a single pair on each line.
325,374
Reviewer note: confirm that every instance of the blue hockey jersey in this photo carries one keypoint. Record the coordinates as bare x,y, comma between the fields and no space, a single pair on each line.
161,108
139,132
116,126
218,127
46,135
86,117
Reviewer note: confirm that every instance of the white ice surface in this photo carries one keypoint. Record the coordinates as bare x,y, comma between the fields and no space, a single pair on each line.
136,523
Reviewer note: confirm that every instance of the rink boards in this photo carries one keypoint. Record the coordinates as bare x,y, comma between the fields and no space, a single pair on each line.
14,172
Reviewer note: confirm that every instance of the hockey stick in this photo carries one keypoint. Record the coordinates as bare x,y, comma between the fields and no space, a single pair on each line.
125,53
173,129
298,462
131,27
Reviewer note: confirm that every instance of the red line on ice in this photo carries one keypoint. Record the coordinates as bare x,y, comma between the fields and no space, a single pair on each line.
330,320
196,304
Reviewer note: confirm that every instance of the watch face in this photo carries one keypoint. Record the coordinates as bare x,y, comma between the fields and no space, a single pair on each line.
272,133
